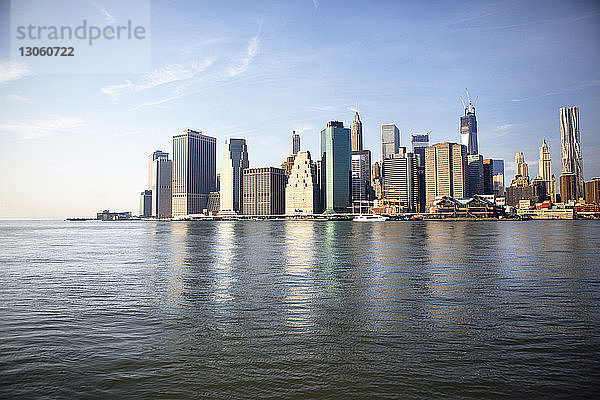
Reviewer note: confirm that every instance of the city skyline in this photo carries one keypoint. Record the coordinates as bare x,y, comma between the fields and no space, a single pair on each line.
226,79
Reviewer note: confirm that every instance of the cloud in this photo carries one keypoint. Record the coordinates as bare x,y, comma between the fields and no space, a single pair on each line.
15,98
36,129
10,71
584,85
320,108
504,128
115,91
316,4
172,73
246,60
168,74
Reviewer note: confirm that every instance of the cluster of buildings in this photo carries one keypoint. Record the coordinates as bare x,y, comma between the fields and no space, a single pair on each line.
441,178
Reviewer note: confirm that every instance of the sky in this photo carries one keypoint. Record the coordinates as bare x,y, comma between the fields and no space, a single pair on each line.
74,144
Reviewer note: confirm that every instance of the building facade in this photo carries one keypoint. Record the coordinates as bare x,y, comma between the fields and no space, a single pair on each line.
264,191
445,171
361,178
146,203
295,143
592,191
493,177
336,167
390,140
475,181
356,133
159,182
302,192
401,183
419,141
521,167
569,191
194,171
570,146
235,161
468,130
545,170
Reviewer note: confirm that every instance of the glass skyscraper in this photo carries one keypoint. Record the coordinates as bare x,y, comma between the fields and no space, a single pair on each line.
194,171
468,130
235,161
336,167
390,140
570,146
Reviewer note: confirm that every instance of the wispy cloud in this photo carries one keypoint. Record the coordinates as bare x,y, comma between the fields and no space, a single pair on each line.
320,108
504,128
39,128
316,4
15,98
10,70
555,92
244,63
168,74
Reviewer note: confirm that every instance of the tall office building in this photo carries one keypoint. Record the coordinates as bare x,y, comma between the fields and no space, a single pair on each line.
545,171
493,177
377,181
521,167
474,175
357,130
592,191
390,140
361,177
419,142
146,203
468,129
159,182
263,191
302,191
194,171
235,161
336,167
400,182
568,188
570,146
295,143
445,171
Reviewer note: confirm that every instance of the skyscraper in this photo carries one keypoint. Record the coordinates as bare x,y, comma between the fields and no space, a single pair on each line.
474,175
570,146
146,203
545,170
336,167
263,191
295,143
235,161
361,177
302,191
159,182
419,142
357,131
194,171
521,167
493,177
390,140
468,129
400,182
445,171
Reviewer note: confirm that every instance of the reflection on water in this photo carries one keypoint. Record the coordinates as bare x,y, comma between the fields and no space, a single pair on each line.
299,309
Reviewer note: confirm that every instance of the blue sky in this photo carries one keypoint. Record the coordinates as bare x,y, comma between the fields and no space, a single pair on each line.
77,143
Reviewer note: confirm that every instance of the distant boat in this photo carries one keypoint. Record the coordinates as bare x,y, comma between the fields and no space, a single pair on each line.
370,217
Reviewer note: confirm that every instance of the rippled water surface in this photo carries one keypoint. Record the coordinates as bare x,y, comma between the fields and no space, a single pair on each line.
299,309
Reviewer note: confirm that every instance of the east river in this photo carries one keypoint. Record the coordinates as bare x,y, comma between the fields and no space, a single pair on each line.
300,309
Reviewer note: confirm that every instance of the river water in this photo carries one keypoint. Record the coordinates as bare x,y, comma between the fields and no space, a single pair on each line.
299,309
